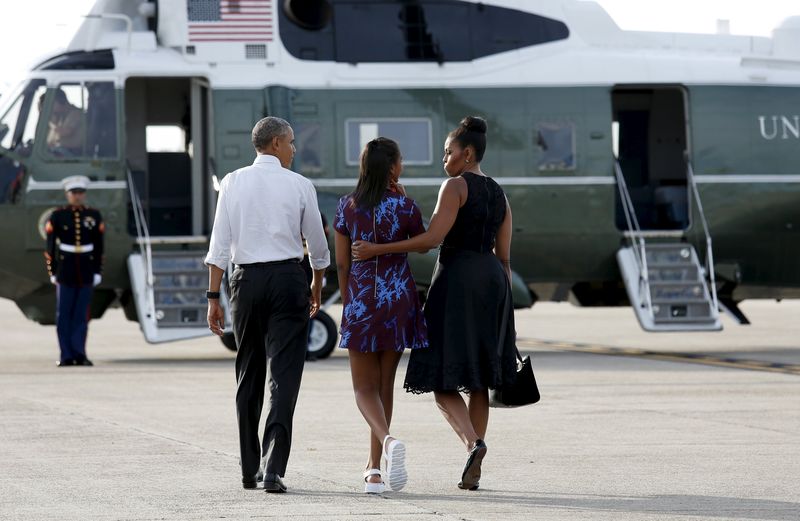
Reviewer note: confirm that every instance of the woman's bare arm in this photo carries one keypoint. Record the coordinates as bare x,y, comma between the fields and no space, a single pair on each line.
502,245
342,246
452,195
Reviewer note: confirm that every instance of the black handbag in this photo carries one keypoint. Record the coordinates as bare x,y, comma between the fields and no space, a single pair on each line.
523,391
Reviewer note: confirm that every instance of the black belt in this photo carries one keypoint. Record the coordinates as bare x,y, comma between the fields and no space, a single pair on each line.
270,263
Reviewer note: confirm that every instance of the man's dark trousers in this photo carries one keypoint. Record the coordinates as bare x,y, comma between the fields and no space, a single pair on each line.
72,320
269,308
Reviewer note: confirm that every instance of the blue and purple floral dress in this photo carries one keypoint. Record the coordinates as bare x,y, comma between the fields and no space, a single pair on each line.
382,310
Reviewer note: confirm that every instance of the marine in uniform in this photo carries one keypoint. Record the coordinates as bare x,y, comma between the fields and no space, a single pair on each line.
74,258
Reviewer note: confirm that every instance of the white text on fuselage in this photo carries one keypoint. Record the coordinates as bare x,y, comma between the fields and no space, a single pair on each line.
779,127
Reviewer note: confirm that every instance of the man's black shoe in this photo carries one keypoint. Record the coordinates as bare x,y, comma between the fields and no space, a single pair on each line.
250,484
85,362
65,363
274,484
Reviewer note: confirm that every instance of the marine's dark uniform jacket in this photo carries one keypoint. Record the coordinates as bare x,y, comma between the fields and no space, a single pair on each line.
74,245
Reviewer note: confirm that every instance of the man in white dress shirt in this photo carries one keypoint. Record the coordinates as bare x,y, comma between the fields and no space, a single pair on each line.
263,213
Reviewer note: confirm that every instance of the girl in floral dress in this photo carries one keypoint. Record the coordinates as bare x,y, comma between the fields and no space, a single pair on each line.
382,315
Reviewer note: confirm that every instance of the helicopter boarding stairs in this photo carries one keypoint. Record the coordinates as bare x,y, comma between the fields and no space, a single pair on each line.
169,284
669,288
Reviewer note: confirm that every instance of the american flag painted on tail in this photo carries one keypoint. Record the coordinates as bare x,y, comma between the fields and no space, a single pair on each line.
230,20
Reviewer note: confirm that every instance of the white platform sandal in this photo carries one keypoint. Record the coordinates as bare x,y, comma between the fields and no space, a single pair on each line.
395,454
373,488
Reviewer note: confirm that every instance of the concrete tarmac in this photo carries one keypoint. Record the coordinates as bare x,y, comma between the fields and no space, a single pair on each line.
149,432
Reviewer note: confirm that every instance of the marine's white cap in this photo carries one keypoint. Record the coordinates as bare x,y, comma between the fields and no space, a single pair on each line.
75,181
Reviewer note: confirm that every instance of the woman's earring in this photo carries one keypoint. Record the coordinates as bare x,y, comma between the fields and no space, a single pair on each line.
466,161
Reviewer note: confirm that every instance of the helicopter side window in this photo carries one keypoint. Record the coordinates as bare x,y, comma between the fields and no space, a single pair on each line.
556,142
413,135
82,122
375,31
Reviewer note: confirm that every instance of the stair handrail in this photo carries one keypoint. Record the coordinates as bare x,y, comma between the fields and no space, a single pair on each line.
627,203
143,236
636,237
709,251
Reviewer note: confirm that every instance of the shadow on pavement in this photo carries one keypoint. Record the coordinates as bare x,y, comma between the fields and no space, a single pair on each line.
713,507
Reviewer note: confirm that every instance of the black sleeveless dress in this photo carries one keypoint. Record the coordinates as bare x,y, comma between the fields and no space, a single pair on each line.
469,310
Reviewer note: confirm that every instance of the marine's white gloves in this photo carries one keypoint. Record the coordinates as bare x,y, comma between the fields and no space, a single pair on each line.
97,279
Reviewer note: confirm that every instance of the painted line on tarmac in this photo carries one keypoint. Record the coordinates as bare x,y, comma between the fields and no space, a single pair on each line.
691,358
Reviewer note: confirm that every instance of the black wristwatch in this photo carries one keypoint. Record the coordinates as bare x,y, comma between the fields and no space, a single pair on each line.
212,294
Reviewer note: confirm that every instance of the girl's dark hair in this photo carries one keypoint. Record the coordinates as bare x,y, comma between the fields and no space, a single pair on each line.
377,159
471,131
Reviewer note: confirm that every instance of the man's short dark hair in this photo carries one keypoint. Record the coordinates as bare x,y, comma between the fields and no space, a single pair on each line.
267,129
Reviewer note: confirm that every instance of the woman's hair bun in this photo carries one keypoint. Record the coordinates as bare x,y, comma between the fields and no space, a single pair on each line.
474,124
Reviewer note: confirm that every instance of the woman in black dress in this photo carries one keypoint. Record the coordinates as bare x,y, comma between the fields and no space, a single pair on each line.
469,310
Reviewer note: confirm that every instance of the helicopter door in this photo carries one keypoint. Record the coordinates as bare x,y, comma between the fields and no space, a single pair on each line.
664,276
168,143
650,142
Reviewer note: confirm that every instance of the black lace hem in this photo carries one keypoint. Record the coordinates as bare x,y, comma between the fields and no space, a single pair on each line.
422,379
426,390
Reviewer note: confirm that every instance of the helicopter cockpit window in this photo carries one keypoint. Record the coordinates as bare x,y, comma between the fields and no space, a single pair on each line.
556,143
18,124
82,122
66,120
17,130
101,119
413,135
29,130
8,124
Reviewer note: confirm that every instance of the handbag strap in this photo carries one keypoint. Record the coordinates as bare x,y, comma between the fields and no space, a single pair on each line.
504,327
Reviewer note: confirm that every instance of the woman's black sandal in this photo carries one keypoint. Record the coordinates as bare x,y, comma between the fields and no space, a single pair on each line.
471,476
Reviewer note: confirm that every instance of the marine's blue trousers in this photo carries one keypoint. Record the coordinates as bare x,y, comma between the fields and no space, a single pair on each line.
72,320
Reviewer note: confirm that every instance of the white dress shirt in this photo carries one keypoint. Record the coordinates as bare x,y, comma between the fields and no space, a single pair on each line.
263,213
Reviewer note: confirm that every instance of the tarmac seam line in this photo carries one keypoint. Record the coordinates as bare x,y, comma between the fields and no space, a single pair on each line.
689,358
